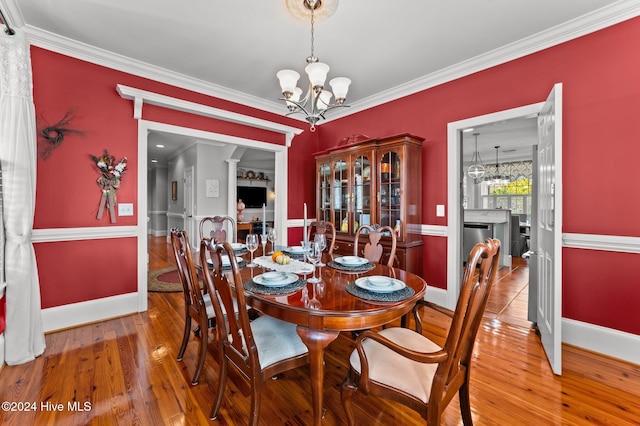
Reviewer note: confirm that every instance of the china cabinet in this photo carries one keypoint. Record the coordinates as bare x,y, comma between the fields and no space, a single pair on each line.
374,181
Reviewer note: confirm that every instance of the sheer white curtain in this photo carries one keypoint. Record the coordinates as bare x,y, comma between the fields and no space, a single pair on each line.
24,336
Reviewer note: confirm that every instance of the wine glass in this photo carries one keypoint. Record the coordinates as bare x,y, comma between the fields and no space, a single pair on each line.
272,235
321,239
252,245
314,254
263,241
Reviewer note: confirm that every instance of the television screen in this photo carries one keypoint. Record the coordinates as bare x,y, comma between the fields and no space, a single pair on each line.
252,196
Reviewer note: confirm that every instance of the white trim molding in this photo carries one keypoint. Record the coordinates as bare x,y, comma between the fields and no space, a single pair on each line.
607,341
140,97
76,314
77,234
605,17
602,242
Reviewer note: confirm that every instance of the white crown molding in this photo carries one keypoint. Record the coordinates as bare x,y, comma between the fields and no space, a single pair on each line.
615,243
95,55
597,20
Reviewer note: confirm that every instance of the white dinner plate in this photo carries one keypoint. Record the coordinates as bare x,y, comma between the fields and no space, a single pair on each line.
238,246
377,287
225,260
286,279
351,260
295,250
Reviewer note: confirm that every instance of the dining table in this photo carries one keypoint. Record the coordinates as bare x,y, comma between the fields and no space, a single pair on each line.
338,302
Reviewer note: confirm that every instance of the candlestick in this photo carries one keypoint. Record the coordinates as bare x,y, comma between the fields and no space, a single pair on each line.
264,221
304,231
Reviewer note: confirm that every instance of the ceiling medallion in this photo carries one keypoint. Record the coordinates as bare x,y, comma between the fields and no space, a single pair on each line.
302,10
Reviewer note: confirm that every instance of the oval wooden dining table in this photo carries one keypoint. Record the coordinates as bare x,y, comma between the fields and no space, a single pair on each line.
334,310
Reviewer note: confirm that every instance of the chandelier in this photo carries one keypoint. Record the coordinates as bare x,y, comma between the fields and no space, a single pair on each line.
497,178
317,100
476,170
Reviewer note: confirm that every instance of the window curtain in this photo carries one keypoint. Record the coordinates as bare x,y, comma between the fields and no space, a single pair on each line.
24,336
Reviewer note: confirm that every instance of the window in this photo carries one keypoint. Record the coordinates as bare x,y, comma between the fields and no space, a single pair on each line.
514,196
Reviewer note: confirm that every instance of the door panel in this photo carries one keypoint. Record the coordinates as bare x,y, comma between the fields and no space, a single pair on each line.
189,224
549,227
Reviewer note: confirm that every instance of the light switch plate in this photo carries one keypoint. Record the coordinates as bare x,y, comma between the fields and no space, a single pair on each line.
212,188
125,209
440,210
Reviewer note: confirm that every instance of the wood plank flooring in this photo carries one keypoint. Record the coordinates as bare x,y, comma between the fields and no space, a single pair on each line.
125,369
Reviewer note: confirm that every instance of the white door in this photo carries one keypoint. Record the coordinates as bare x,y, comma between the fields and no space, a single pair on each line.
189,224
549,226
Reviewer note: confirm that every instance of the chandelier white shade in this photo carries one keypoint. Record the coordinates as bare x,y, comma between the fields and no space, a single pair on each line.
317,100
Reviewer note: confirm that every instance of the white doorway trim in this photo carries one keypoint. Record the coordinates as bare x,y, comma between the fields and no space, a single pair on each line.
281,154
454,165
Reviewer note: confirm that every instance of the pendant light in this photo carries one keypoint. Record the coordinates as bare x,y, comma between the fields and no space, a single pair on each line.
497,178
477,169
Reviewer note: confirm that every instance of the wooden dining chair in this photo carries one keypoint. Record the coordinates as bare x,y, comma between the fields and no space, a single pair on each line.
407,367
373,249
326,228
197,303
218,234
259,349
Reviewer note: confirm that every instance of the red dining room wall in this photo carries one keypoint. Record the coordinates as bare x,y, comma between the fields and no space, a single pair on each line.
599,73
67,195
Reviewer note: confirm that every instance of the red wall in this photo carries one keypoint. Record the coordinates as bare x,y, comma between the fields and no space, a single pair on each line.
67,195
601,101
600,73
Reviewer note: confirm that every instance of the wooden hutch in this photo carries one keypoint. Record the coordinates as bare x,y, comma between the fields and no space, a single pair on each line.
374,181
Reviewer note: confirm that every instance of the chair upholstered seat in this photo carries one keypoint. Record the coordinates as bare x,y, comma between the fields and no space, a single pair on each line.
259,349
392,369
276,340
405,366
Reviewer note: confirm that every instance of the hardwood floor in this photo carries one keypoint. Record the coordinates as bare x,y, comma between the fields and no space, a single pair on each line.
125,369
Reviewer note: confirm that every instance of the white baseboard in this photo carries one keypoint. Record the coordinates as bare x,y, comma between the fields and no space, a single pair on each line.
606,341
158,232
436,295
77,314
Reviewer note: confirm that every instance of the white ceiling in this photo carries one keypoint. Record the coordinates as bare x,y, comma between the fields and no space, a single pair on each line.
233,49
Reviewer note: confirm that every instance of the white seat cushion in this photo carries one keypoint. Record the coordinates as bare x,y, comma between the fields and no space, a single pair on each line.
209,306
390,368
276,340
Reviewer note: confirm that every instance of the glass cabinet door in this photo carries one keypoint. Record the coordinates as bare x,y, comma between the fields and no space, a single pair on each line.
361,184
340,195
390,189
324,191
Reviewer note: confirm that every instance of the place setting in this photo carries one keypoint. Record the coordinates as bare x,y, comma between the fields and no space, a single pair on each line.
380,288
351,264
275,282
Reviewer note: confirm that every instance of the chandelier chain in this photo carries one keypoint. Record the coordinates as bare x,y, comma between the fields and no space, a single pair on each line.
312,32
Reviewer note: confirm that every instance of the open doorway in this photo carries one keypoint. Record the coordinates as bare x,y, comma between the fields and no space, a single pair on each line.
457,135
278,183
497,196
